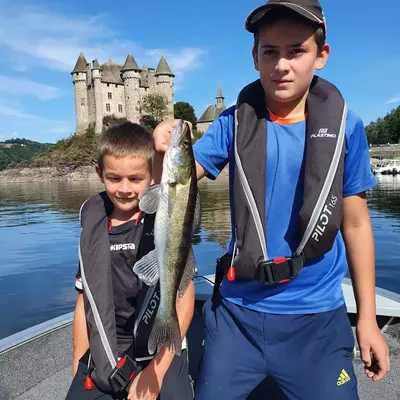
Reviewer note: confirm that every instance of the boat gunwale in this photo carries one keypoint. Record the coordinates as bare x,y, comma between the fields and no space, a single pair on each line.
35,332
20,338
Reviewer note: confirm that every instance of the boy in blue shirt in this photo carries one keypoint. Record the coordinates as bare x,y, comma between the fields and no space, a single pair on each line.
280,310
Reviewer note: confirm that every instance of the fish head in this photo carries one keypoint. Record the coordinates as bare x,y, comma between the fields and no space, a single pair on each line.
179,155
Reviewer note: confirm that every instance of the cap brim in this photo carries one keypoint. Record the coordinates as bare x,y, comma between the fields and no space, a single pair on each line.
254,19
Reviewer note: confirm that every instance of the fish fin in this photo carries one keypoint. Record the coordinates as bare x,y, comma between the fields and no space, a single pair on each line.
149,199
197,214
188,274
165,334
147,268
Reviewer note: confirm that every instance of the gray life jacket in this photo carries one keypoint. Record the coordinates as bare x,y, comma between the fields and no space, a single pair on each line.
96,273
321,213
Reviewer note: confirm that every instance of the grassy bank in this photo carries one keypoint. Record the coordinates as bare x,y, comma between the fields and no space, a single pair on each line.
77,150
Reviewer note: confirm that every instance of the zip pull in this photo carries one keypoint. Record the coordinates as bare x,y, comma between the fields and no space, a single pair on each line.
88,380
231,275
88,383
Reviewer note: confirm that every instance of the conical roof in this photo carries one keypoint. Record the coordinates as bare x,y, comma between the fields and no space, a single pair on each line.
96,64
80,65
219,92
130,64
163,68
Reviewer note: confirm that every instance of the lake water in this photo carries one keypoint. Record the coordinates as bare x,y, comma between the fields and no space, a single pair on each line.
39,233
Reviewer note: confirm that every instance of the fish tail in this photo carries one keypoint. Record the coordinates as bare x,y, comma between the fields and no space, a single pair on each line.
165,333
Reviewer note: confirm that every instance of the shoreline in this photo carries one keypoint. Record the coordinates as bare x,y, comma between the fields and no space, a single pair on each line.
48,174
71,173
58,174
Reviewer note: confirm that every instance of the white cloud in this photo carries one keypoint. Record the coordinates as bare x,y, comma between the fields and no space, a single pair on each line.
24,86
20,68
11,112
33,126
6,136
179,61
58,129
49,125
54,41
393,100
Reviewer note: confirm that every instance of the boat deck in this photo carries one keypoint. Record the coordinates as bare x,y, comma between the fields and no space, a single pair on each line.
36,363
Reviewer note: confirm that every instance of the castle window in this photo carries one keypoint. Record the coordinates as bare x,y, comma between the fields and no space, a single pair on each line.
116,86
108,107
108,85
120,108
109,96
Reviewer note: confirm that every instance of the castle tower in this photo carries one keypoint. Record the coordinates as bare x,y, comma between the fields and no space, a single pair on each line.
98,101
220,98
81,100
165,84
130,74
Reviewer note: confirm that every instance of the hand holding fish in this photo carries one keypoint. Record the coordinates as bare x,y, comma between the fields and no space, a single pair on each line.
162,134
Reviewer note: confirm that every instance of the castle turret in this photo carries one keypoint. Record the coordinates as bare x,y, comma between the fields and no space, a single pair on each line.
220,97
130,74
81,100
96,75
165,84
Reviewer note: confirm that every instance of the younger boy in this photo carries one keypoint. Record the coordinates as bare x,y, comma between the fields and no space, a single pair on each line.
299,168
110,309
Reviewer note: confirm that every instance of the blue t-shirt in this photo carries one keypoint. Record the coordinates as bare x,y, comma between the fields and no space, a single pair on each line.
318,286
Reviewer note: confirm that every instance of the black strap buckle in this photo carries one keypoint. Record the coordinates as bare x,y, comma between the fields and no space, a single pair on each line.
279,270
222,266
123,374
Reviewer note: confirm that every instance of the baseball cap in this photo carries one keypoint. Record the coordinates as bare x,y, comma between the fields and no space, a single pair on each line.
309,9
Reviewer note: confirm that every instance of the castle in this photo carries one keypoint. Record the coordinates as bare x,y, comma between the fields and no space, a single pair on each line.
114,89
212,112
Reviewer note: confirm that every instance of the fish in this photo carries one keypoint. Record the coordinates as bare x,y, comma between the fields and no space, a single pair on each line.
176,202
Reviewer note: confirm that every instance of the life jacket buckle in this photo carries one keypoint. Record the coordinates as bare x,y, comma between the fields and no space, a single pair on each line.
123,374
279,270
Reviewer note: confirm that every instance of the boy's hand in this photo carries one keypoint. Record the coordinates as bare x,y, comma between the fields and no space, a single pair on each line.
162,133
371,340
146,385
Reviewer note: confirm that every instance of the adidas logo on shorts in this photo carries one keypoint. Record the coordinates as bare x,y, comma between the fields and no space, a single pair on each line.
343,378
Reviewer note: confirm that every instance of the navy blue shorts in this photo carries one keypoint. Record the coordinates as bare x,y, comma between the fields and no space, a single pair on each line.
308,357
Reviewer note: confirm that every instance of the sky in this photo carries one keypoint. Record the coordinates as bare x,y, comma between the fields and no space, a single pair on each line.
204,42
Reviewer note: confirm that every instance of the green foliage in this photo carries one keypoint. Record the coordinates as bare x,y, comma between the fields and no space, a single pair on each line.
196,135
155,105
112,120
183,110
73,151
386,130
14,151
148,122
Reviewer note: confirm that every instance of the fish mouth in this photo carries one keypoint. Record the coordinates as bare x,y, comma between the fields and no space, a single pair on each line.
179,133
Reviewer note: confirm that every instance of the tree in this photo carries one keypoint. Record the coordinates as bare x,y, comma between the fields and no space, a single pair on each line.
156,106
148,122
386,130
112,120
183,110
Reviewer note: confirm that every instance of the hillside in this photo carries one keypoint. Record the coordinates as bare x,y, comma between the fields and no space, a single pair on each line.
14,151
77,150
385,130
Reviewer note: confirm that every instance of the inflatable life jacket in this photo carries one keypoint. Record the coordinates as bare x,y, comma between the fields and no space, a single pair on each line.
96,273
321,214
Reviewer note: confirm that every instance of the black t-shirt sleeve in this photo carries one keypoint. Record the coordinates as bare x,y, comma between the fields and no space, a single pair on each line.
78,280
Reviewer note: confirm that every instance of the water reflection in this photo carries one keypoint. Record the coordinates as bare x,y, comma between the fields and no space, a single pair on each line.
215,221
39,232
385,197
